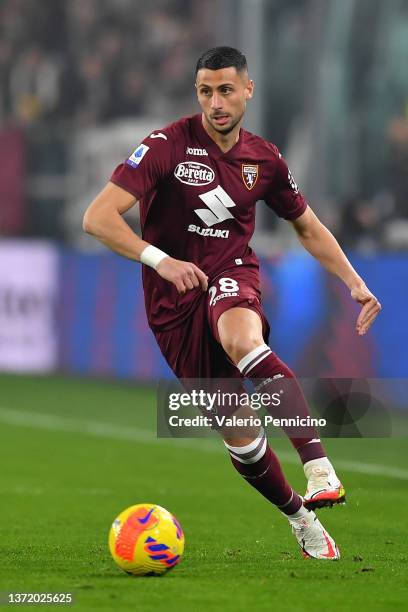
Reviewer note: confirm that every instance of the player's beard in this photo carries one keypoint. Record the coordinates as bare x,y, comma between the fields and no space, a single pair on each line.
226,129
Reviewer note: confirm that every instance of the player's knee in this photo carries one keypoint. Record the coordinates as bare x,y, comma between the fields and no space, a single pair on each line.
237,346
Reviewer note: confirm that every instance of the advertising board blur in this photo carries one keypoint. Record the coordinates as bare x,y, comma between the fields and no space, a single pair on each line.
28,291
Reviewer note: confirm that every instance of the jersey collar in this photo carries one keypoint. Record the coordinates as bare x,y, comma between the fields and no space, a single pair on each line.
210,144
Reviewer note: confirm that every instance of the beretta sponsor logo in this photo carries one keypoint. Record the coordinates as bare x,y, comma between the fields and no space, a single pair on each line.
194,173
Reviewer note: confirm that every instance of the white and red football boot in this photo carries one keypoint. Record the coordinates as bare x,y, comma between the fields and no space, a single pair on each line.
313,539
324,489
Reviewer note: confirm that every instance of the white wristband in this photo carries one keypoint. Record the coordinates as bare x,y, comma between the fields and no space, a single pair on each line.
151,256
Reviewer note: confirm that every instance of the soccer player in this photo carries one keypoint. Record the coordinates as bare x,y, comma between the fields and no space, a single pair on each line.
196,182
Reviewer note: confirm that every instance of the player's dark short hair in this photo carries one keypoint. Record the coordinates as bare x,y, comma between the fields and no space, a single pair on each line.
222,57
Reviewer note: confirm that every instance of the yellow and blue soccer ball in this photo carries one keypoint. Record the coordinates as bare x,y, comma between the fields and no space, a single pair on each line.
146,539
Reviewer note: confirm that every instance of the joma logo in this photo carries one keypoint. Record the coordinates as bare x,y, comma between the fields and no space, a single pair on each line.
195,151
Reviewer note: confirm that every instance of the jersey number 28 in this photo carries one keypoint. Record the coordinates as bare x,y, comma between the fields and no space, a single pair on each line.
227,285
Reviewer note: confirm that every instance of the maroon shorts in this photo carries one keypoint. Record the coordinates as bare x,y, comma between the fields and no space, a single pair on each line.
193,350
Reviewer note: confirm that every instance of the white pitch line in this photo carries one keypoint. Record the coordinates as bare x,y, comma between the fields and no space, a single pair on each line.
23,489
35,420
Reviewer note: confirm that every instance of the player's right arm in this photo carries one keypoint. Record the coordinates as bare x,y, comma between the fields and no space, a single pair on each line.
103,220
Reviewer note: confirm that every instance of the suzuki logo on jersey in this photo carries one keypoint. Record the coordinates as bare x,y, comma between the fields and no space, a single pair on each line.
194,173
249,175
137,155
194,151
218,202
208,231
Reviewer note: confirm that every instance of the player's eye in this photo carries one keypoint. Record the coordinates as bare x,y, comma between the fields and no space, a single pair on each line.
226,90
205,92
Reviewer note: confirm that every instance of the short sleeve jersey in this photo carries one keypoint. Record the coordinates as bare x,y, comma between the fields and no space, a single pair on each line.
198,204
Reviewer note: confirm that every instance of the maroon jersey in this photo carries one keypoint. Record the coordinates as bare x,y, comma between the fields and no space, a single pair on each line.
198,204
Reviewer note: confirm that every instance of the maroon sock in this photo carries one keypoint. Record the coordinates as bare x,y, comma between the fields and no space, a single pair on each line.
259,465
266,371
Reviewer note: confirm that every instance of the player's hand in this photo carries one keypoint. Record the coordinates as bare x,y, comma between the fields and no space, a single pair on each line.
371,308
183,274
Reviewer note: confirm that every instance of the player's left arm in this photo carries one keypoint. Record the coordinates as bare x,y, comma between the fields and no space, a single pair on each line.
320,242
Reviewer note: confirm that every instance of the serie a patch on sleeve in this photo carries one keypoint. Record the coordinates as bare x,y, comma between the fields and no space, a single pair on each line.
137,155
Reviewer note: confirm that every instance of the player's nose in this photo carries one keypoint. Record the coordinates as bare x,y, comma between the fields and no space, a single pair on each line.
216,101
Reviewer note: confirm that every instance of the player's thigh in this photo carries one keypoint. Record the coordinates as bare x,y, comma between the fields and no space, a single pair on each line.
234,309
240,331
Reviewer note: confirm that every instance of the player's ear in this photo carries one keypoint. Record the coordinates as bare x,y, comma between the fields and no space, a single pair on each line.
249,90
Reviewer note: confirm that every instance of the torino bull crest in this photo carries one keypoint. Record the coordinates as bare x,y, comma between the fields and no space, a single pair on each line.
249,175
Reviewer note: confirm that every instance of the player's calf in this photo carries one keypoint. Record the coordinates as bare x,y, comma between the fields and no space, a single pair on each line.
259,466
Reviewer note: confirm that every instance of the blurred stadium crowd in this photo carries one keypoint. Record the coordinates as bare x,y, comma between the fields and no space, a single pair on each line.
91,61
70,66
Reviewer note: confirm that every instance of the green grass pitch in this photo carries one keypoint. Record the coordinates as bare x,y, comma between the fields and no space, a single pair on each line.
74,453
